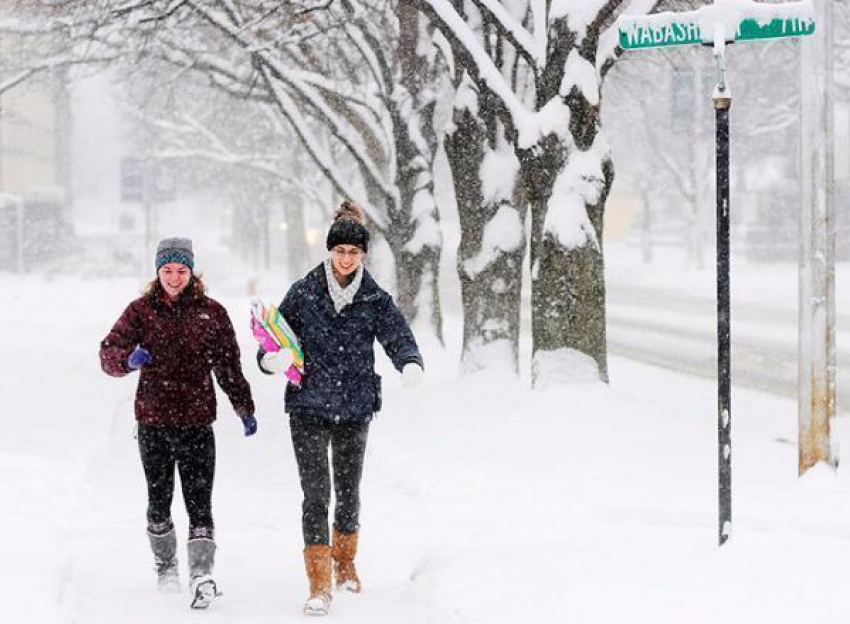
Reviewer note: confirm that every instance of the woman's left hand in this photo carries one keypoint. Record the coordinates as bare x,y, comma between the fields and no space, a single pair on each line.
411,375
250,425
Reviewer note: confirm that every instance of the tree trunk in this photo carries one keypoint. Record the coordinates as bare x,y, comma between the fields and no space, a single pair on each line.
417,277
297,250
414,234
567,282
490,286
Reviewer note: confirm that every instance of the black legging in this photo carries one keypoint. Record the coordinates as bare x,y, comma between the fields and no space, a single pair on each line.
192,449
311,437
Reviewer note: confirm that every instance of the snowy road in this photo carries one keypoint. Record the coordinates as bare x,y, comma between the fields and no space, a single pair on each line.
677,330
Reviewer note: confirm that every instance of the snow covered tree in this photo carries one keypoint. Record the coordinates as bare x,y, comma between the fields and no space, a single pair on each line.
364,83
358,68
549,107
492,242
38,37
413,90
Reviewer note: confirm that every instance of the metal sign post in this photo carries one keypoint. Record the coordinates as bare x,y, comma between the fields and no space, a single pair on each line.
726,21
722,98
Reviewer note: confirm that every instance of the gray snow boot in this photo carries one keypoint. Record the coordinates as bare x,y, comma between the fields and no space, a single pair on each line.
201,559
164,547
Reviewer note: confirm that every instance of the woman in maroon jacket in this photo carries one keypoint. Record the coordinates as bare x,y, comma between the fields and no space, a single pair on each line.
176,336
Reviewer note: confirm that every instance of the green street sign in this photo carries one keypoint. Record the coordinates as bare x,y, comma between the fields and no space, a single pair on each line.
636,34
774,29
657,31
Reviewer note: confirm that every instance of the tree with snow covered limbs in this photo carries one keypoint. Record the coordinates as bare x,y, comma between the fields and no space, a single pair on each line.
532,77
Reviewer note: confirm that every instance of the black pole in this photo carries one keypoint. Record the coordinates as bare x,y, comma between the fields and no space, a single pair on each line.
722,104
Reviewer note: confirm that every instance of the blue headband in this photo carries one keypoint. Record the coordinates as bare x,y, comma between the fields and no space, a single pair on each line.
174,255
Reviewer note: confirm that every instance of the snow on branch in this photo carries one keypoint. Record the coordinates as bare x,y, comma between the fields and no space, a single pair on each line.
315,149
320,7
49,64
531,46
502,234
608,47
130,7
225,75
586,17
377,68
323,83
578,186
465,42
331,120
245,161
274,71
580,73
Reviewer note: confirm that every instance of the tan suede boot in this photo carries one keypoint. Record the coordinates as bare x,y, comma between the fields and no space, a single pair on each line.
343,553
317,560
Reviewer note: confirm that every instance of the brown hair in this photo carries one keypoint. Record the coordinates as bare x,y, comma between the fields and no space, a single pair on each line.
351,210
195,286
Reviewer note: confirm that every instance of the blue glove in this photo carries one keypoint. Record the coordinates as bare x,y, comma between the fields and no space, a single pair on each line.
138,358
250,424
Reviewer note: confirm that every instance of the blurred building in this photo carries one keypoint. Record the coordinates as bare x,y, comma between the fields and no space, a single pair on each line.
35,130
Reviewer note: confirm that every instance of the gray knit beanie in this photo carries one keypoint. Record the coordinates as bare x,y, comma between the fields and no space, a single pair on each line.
175,250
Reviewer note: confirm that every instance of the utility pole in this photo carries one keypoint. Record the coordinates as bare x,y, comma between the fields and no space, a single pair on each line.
816,380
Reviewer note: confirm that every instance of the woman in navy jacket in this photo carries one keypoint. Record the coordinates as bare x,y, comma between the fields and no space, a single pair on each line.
338,311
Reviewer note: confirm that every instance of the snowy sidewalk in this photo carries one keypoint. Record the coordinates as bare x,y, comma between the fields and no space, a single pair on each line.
483,501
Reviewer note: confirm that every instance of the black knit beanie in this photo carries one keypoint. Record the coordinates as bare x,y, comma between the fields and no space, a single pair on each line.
348,227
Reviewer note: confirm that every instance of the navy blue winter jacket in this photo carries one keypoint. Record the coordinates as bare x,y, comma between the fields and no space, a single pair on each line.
339,381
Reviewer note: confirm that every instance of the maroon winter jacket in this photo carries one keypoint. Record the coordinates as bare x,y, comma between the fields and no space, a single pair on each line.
187,339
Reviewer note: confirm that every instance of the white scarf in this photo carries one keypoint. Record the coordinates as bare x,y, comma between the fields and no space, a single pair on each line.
340,296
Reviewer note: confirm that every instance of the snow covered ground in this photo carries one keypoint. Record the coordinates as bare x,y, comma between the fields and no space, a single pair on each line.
483,502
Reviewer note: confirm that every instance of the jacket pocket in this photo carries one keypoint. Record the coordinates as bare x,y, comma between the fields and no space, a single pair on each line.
376,406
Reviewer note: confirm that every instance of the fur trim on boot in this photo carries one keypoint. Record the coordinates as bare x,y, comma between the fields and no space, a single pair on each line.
204,590
317,561
163,541
343,552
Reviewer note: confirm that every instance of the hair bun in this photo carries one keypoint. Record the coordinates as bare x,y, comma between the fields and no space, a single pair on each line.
350,210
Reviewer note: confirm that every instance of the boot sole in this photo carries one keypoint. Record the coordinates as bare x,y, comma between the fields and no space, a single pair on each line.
168,581
351,587
316,606
205,593
169,587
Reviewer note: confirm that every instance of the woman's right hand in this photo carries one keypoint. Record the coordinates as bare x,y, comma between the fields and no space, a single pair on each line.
138,358
278,361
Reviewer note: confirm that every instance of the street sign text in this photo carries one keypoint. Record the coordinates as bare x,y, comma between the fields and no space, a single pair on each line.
646,32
